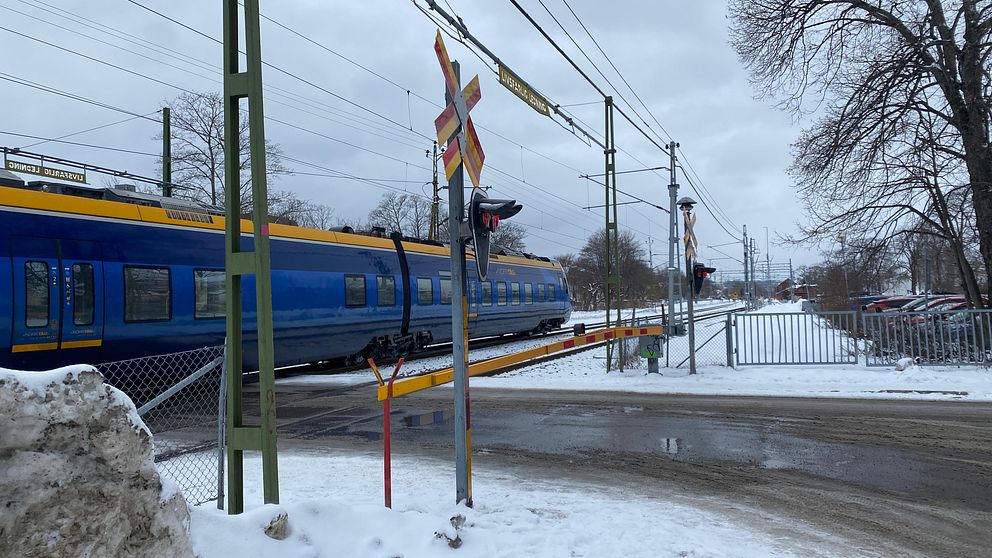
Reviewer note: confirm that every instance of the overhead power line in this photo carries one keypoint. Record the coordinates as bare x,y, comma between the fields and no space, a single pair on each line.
584,75
76,143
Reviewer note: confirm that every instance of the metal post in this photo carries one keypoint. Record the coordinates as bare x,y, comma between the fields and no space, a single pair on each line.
691,326
221,413
754,269
730,340
689,291
792,283
747,281
768,261
166,152
673,233
612,285
434,232
240,85
459,322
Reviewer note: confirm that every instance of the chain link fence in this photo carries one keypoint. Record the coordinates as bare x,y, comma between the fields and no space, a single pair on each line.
711,345
178,398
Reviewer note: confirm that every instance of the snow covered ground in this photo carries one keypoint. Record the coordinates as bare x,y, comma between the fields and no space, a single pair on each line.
599,316
334,501
334,504
586,371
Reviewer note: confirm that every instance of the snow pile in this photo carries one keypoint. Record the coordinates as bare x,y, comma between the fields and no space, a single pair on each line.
77,471
334,504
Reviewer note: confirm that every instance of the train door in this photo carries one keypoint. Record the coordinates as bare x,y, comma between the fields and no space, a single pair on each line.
472,295
58,302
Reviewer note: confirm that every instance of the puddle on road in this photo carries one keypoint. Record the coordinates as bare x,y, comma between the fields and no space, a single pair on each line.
700,439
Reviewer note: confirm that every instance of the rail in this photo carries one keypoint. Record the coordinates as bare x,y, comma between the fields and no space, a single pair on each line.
439,377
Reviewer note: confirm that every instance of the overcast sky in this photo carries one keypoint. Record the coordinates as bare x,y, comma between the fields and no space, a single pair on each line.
674,54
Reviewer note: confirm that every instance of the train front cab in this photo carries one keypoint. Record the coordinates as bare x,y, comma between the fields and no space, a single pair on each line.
55,300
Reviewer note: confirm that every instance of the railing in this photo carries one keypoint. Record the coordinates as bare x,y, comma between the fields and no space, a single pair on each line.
792,338
962,337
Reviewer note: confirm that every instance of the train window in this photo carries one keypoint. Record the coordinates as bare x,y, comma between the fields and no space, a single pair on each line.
551,292
487,293
82,293
445,291
540,292
514,293
354,291
528,293
386,287
147,294
564,284
36,293
501,293
425,291
210,293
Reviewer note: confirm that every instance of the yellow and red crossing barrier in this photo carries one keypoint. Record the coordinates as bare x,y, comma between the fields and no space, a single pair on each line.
426,381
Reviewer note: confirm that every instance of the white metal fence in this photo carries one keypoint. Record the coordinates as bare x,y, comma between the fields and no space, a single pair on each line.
793,338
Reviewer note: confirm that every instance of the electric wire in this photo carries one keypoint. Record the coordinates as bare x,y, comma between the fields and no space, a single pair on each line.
79,144
200,64
87,130
584,75
336,139
25,82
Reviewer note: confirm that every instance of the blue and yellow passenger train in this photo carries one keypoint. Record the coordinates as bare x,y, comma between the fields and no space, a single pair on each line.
98,275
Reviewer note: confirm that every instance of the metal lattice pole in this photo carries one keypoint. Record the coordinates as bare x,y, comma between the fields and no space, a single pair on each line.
240,85
612,285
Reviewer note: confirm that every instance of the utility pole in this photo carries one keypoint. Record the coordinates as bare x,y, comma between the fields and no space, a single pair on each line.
434,231
754,280
792,283
612,241
166,152
673,245
247,84
768,261
650,255
748,303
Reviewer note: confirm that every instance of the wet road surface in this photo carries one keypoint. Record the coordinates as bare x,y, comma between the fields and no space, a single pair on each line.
898,477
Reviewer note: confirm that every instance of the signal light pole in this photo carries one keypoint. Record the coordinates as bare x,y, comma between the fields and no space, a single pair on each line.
688,219
673,233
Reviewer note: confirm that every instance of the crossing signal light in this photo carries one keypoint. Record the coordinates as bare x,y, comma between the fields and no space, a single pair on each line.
484,218
699,274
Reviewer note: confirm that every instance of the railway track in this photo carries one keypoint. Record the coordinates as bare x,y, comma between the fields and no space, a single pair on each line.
708,315
445,348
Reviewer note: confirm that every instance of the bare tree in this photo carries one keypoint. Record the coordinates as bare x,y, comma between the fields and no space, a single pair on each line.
587,273
408,214
509,236
318,216
903,92
197,124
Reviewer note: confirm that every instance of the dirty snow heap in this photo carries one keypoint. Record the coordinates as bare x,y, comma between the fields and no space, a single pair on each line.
77,472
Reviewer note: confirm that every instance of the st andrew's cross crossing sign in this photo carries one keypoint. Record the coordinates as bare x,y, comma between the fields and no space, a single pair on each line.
690,236
463,146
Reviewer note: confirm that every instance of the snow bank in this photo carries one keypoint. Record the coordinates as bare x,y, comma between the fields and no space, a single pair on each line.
334,504
77,471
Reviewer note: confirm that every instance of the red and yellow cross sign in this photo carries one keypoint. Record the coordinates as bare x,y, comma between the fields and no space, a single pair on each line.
463,146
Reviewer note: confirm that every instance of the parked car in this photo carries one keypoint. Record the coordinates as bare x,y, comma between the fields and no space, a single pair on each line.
889,303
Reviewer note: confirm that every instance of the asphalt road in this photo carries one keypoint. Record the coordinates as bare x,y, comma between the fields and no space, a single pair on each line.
894,478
